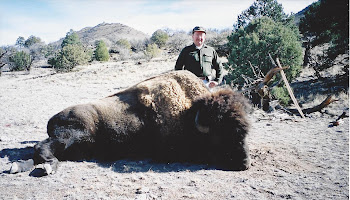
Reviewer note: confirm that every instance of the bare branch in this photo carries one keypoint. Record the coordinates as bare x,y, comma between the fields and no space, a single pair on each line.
324,103
251,66
290,91
317,108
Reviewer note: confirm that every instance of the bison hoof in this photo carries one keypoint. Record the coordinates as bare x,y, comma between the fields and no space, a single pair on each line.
48,169
21,166
14,168
43,170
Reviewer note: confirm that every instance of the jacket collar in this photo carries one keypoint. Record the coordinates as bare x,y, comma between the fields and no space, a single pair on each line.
194,46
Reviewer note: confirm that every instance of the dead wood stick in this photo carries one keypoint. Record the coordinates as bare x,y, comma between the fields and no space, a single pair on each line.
324,103
317,108
251,66
291,94
343,115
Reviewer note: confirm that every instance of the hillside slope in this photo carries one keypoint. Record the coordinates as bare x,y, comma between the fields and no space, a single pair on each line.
109,33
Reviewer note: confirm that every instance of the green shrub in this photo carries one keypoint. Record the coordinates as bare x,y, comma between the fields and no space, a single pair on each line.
260,8
152,51
281,94
123,48
20,41
72,54
255,41
69,57
21,61
71,38
160,38
327,21
101,51
31,41
124,43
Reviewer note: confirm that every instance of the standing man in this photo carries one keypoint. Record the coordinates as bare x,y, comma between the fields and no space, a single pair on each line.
201,59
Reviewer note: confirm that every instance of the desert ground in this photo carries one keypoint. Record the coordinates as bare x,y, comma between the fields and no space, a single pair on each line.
292,157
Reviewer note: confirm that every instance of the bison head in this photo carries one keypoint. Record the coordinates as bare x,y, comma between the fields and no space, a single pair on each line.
221,118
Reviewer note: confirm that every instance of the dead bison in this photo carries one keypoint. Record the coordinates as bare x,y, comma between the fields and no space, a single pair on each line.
171,117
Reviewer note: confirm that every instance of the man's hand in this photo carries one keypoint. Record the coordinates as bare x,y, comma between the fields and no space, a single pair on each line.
213,84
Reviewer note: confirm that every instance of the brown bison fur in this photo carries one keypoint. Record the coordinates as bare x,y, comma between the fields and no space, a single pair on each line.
171,117
222,116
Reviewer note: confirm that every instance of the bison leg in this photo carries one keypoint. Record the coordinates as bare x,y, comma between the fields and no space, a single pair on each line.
63,144
239,159
44,154
21,166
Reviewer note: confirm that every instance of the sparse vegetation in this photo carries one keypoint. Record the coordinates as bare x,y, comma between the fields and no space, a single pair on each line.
71,54
152,51
160,38
327,22
124,43
2,53
21,61
178,41
20,41
219,40
33,46
281,93
123,48
139,45
69,57
31,41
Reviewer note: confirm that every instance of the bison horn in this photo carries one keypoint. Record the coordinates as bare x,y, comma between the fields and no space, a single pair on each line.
201,128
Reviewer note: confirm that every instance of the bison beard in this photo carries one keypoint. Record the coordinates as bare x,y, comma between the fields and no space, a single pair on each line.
171,117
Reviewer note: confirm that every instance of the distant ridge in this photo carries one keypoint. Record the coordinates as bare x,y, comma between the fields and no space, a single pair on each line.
300,15
109,33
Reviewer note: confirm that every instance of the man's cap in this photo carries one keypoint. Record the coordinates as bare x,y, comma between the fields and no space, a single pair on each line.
199,29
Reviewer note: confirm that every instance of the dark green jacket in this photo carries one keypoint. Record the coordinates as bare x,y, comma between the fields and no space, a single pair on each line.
200,62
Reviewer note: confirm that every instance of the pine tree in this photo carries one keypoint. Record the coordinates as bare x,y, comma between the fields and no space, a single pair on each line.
160,38
71,38
327,21
72,54
101,51
253,44
260,8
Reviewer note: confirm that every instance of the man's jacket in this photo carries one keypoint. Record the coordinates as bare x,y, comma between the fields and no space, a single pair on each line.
201,62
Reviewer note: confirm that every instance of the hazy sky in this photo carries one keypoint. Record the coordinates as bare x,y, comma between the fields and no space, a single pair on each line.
52,19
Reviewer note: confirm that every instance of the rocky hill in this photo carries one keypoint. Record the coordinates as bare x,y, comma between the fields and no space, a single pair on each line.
300,15
109,33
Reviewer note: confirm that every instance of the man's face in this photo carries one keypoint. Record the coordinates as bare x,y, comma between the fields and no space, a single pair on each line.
198,38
